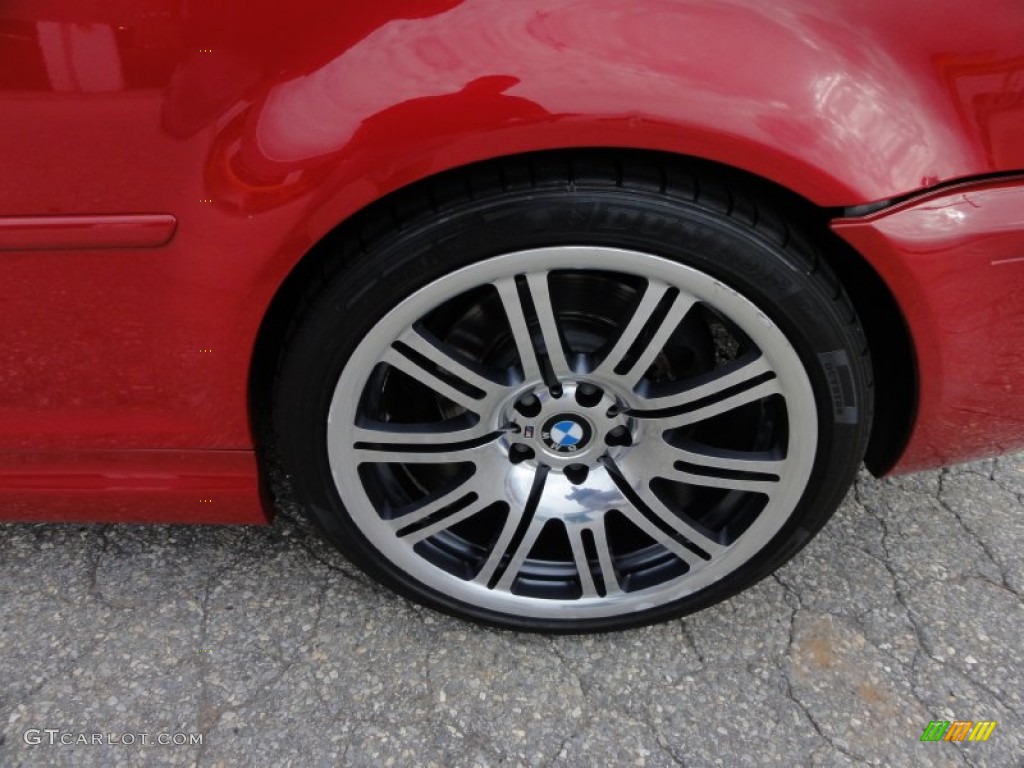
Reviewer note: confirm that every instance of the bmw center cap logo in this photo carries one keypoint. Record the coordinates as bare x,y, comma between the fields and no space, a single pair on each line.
566,434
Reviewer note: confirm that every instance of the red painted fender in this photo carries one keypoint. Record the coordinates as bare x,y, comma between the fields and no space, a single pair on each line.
260,126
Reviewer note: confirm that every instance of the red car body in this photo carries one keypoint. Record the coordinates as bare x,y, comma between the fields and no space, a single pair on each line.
165,166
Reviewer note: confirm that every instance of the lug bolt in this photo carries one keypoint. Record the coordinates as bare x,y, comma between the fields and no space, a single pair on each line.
588,395
519,452
577,473
528,405
619,436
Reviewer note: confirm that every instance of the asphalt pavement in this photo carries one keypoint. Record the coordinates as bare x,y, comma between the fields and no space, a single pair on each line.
269,649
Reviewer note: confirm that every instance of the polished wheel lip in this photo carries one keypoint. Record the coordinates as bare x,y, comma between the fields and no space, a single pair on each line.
777,356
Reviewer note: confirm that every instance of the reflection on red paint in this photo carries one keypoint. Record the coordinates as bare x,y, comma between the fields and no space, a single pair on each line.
955,259
131,486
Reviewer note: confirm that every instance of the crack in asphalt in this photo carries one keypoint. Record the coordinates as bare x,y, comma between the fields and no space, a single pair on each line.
790,693
210,717
899,588
202,723
925,647
784,668
97,641
94,586
587,694
691,640
975,536
305,542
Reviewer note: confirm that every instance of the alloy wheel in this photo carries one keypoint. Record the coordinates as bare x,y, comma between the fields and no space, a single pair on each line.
572,432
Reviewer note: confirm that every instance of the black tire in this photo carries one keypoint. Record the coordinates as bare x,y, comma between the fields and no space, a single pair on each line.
707,221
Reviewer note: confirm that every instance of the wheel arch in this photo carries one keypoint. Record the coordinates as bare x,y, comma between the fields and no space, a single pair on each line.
888,338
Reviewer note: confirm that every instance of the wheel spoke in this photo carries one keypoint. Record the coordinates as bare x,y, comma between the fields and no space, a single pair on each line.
731,461
579,556
508,292
677,524
644,503
653,294
709,469
551,347
736,374
500,548
431,506
519,557
637,518
767,487
427,377
745,397
512,523
432,350
540,293
421,448
752,395
604,558
448,521
422,437
680,305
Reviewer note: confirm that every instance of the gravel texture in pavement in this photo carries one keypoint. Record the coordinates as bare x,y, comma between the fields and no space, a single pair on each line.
906,609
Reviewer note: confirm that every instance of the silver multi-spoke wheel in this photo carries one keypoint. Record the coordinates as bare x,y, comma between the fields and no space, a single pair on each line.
573,391
572,433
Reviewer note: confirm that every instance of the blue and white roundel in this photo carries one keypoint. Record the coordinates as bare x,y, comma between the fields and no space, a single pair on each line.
566,434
